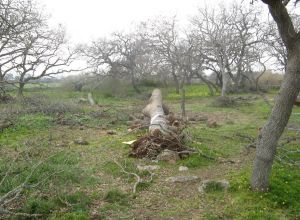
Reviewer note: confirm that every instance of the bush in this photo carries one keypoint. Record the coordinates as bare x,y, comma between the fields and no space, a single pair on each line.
42,104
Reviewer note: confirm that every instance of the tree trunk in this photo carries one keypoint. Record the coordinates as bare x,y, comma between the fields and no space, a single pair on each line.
2,85
176,81
133,83
224,83
90,99
271,132
209,84
155,111
182,104
20,90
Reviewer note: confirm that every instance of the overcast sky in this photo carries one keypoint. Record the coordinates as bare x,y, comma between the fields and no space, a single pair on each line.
90,19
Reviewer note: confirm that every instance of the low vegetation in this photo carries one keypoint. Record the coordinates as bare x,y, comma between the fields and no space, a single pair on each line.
63,179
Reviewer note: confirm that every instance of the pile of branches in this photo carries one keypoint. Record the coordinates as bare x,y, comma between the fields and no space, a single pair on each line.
151,145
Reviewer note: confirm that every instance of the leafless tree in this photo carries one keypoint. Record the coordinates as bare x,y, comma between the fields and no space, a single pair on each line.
164,35
29,49
229,37
123,55
45,54
275,46
16,19
131,49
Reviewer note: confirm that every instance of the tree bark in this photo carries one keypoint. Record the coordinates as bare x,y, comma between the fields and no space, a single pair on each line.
182,104
271,132
224,83
155,110
176,81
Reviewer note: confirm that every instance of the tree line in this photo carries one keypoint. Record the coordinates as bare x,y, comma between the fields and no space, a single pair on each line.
233,43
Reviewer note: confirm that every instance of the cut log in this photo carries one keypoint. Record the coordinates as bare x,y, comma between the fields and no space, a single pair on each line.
155,110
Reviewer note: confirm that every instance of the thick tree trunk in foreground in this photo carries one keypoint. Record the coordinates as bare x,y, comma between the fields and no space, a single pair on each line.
267,140
271,132
155,110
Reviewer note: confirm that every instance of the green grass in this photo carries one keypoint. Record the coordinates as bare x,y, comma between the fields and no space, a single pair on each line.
283,196
86,183
191,91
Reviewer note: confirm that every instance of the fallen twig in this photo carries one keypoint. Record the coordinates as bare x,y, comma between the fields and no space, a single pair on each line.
138,178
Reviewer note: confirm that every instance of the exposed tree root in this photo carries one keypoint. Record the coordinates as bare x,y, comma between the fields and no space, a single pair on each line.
151,146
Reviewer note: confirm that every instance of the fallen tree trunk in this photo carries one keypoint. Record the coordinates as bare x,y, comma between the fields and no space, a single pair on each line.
165,132
156,111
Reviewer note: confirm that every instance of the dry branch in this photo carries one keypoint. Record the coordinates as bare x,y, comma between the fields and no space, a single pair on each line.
138,178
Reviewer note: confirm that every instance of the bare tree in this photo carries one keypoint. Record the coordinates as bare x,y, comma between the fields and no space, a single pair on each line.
45,54
165,40
229,37
16,19
275,46
29,48
131,49
273,129
191,62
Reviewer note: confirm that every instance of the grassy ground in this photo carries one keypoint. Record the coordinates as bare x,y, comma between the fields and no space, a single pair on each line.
84,182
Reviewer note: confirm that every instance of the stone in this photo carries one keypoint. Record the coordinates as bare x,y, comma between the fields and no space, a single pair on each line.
80,141
213,185
168,156
182,179
148,167
183,168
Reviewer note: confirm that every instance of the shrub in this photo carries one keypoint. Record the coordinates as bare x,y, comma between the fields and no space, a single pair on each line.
42,104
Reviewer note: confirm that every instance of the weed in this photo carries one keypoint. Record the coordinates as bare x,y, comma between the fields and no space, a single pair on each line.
116,196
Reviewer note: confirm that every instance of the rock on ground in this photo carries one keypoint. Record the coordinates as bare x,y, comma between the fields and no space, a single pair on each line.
183,168
168,156
148,167
219,185
182,179
81,141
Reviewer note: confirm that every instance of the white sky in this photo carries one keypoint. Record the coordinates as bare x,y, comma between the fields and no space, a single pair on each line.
91,19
